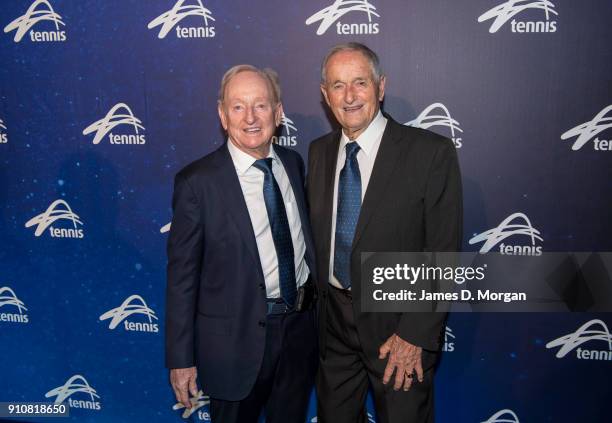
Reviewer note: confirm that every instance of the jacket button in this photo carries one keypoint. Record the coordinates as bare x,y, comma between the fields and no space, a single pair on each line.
262,286
261,323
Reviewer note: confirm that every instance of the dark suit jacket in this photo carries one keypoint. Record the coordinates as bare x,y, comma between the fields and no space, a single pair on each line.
216,297
413,203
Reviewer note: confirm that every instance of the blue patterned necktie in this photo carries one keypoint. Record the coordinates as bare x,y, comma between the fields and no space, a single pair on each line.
347,214
281,234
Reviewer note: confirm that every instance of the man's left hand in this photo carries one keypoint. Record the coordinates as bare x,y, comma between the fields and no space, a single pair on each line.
404,359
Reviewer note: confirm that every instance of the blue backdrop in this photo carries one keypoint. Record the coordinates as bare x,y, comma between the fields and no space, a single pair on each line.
102,102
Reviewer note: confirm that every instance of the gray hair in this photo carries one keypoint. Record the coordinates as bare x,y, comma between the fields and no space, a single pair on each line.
269,75
353,46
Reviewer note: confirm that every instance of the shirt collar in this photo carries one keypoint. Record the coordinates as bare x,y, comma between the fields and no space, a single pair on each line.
368,138
243,161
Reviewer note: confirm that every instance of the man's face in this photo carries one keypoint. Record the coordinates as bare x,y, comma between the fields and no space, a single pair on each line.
248,114
351,91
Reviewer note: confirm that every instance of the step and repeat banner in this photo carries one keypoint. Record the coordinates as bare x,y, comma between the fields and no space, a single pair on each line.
102,102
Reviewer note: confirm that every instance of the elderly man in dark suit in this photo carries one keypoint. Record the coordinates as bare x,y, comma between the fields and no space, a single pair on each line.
375,185
240,255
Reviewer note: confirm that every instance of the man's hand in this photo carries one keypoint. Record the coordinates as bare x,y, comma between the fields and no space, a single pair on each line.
404,359
183,382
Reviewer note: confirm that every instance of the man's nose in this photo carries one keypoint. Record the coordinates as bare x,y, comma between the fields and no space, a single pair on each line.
250,115
349,95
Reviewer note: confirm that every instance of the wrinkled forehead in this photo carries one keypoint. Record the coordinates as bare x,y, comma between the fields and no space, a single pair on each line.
248,85
348,64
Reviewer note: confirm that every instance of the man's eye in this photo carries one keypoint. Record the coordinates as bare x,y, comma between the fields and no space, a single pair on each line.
237,108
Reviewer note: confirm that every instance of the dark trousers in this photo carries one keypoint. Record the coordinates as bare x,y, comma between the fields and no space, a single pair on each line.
286,377
346,373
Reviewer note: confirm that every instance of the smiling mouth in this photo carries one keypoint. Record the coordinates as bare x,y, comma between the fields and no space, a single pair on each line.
350,109
254,130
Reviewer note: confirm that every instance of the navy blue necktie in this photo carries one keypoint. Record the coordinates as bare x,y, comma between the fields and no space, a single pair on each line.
281,234
347,214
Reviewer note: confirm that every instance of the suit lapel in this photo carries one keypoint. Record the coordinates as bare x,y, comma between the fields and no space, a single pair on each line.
384,164
236,205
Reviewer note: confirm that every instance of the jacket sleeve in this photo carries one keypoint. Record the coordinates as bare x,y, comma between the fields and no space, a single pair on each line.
300,161
309,170
185,249
443,233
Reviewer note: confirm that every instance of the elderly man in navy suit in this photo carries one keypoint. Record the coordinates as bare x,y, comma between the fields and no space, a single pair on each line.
239,313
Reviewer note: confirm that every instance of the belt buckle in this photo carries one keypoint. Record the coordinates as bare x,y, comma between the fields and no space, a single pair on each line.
275,307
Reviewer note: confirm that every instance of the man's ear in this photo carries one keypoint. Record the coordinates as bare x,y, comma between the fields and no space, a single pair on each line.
381,88
222,116
324,92
278,114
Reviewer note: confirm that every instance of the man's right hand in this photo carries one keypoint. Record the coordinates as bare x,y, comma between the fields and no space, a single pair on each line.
183,383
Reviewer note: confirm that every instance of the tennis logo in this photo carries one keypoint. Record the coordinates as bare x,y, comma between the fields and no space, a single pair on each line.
437,115
113,119
9,299
510,228
172,17
449,343
34,15
3,134
197,403
328,16
77,384
133,305
586,131
59,210
503,416
509,9
286,139
586,333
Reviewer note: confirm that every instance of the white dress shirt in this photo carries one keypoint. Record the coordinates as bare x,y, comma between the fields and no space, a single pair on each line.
368,141
251,181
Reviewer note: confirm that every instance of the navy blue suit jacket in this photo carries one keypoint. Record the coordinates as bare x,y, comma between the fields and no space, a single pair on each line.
216,297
